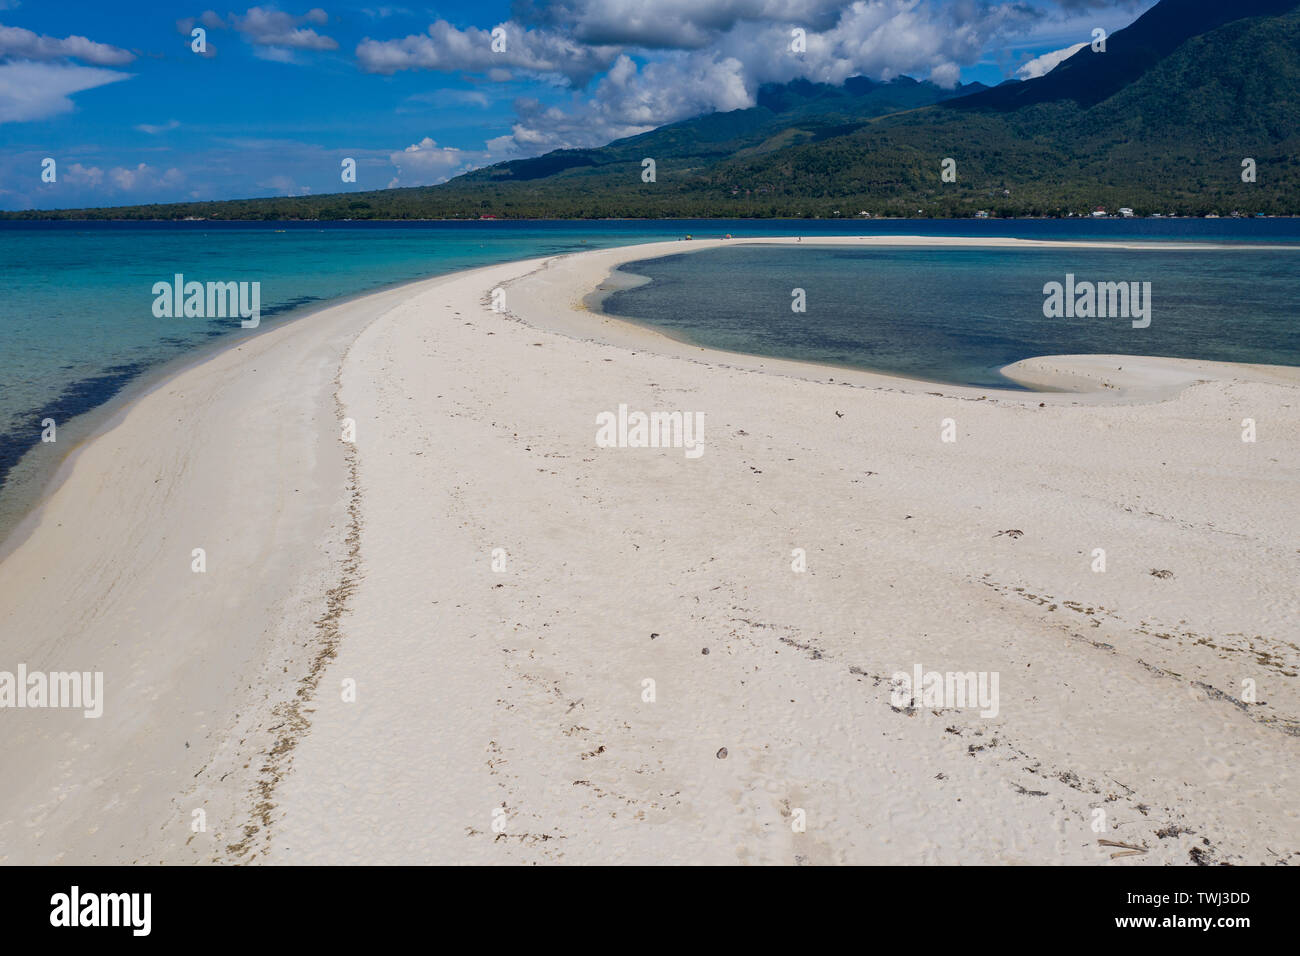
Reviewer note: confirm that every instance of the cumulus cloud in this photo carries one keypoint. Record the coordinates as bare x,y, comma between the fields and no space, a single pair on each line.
887,38
265,27
119,178
946,75
38,75
444,47
882,39
675,59
630,99
207,19
426,163
1044,64
17,43
79,175
143,176
33,91
274,34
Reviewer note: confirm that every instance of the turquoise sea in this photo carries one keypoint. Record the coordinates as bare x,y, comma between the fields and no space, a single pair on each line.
77,327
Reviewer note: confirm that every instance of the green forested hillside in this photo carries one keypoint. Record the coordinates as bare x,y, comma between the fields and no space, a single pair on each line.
1172,141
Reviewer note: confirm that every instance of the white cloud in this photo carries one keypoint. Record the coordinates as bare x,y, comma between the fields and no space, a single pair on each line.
946,75
268,27
119,178
207,19
79,175
33,91
26,45
882,39
1042,65
143,176
274,34
37,76
444,47
580,39
426,163
628,100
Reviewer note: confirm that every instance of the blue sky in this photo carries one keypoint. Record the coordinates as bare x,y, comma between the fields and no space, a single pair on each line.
415,94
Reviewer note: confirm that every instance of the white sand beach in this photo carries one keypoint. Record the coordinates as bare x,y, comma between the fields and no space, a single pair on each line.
351,681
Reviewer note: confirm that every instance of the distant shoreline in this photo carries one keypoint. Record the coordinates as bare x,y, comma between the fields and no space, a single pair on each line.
23,216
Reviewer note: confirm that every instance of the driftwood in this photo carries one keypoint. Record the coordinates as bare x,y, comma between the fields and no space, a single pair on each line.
1128,849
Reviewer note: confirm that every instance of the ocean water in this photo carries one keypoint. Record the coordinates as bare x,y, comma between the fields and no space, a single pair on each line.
77,327
76,307
958,315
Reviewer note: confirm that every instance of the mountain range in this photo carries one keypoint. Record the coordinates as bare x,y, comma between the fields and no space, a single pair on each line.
1163,120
